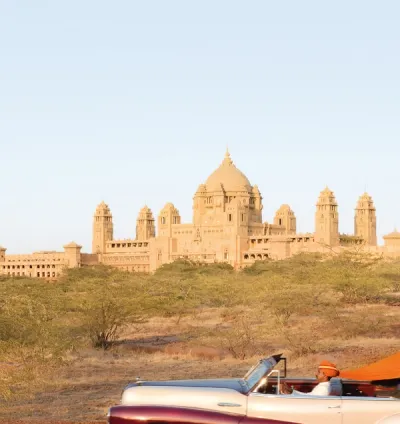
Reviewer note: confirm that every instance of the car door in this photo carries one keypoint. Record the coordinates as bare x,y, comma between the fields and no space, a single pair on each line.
368,410
297,408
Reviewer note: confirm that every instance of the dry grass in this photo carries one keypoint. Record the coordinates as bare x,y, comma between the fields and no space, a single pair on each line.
93,380
201,322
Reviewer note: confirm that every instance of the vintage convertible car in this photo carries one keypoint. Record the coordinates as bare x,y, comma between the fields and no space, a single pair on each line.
257,397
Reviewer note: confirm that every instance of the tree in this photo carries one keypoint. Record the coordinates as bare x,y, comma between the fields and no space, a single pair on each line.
106,315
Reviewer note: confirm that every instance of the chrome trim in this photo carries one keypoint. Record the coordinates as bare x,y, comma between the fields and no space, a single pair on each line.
295,396
371,399
334,407
314,397
278,378
228,404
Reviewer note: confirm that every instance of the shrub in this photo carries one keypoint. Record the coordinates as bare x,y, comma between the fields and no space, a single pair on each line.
241,340
106,313
41,321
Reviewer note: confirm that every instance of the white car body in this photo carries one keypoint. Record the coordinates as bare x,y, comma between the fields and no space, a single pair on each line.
240,396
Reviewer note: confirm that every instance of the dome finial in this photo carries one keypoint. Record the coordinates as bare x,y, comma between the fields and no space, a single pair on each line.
227,159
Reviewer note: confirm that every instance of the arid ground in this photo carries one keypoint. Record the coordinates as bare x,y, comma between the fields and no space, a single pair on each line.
83,390
185,321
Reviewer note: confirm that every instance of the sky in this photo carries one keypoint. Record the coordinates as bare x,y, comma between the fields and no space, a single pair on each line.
135,102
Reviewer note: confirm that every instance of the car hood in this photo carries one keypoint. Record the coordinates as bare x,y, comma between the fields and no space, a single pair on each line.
237,384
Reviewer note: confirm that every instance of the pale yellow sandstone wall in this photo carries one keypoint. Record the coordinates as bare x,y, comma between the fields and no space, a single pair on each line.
49,265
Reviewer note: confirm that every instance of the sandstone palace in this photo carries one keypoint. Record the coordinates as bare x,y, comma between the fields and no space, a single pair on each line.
227,227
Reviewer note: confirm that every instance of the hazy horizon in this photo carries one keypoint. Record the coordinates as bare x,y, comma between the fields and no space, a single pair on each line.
136,102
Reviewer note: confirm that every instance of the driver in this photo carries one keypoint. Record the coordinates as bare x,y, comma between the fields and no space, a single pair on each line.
326,371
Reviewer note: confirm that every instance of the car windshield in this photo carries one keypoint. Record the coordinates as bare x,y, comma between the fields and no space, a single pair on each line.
255,374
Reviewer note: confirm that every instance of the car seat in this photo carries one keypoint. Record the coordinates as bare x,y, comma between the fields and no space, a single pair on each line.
336,387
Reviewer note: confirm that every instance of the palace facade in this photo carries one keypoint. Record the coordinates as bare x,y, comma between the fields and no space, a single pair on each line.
227,226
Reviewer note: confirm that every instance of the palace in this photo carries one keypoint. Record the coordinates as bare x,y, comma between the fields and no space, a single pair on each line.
227,226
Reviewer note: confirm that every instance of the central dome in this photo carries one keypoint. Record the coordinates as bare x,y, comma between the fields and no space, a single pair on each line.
228,176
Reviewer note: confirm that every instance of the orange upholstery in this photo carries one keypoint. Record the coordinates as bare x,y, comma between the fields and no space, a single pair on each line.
385,369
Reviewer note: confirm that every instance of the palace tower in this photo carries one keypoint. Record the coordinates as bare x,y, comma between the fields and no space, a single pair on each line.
365,220
145,225
285,217
103,229
327,219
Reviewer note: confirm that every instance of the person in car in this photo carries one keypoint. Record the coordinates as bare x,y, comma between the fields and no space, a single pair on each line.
326,371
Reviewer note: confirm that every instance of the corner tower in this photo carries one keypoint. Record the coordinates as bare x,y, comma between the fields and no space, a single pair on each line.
168,217
145,227
103,229
73,255
327,219
392,241
285,217
365,220
2,254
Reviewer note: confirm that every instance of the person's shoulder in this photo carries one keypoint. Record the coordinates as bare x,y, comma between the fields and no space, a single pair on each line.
322,389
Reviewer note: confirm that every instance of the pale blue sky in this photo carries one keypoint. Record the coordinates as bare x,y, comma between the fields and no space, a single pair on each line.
134,102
